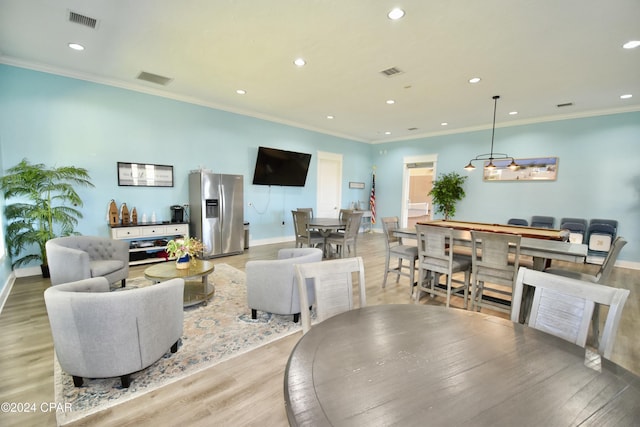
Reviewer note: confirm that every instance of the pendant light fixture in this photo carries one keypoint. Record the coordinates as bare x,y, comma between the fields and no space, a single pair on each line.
492,156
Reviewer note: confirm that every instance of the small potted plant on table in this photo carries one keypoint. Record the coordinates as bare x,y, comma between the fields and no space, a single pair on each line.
184,251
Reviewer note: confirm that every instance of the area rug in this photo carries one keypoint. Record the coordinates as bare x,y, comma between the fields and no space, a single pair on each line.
212,334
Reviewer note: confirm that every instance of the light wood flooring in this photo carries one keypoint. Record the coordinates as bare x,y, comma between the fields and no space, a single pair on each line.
245,391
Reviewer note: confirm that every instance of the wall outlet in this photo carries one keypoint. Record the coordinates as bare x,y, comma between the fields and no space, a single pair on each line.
282,223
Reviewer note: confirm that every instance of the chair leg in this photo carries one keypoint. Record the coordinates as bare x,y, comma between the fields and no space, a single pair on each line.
124,283
77,381
474,290
125,380
412,266
296,317
595,326
386,271
398,270
467,280
421,278
479,296
254,314
174,347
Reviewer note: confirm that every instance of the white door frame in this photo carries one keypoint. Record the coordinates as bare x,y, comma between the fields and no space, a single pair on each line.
425,158
334,157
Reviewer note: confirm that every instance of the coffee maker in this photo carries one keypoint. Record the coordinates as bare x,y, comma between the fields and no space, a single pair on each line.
177,213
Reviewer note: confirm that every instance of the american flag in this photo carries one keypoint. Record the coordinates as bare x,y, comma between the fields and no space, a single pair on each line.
372,199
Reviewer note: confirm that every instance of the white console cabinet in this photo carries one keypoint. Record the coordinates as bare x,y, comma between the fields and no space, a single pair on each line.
147,241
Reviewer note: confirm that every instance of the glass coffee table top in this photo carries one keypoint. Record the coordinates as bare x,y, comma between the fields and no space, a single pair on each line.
197,288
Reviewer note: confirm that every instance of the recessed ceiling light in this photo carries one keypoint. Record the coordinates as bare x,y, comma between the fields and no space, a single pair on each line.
474,80
631,44
395,13
76,46
387,133
513,113
241,92
390,101
300,62
626,96
330,117
444,124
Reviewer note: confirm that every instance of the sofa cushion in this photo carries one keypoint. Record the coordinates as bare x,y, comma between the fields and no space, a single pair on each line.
102,268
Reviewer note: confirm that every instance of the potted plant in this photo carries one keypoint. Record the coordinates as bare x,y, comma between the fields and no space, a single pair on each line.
45,207
184,250
446,192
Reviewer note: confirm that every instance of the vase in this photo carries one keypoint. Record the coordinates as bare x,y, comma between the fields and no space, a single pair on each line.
182,263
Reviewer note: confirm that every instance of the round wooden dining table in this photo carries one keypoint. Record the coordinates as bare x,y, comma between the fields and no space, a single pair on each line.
420,365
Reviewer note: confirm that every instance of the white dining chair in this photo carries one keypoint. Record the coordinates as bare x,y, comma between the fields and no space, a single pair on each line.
435,258
406,255
601,277
563,307
333,287
490,266
346,241
305,236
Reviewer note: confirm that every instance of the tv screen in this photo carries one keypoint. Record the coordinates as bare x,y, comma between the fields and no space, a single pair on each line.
280,167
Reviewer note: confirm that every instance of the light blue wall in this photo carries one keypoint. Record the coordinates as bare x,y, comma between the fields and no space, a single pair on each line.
5,262
62,121
598,175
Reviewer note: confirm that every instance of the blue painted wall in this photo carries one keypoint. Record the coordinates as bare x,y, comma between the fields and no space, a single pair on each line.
598,176
63,121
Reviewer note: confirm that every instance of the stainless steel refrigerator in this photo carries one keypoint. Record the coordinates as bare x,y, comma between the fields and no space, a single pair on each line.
216,205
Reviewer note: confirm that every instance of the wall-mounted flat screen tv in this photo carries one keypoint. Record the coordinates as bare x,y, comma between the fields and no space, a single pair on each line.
280,167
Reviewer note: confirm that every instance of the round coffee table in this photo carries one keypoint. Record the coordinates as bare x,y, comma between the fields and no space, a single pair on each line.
195,291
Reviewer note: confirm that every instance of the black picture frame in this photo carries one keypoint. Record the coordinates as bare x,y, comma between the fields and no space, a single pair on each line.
144,175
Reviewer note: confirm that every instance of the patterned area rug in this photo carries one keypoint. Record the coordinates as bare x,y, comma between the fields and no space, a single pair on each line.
213,333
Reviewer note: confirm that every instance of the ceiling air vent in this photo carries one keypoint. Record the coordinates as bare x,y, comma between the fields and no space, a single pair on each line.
566,104
412,129
83,20
154,78
389,72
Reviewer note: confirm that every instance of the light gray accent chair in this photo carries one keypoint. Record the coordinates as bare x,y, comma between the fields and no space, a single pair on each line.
271,284
103,334
75,258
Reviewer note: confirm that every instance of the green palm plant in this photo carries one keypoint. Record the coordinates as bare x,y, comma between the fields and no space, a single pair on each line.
45,207
446,192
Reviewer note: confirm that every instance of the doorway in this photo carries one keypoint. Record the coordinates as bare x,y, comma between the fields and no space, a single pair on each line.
418,176
329,195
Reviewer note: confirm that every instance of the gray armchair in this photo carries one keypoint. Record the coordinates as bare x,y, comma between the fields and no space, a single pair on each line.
82,257
102,334
271,284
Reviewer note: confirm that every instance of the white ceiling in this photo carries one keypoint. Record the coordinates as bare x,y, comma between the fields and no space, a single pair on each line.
534,54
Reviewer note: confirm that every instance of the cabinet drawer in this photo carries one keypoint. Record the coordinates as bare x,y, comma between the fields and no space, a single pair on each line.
125,233
177,229
153,231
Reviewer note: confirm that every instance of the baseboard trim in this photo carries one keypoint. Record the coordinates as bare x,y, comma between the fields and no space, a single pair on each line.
28,271
6,290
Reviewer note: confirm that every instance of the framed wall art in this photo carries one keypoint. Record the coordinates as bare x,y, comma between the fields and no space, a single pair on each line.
145,175
358,185
533,169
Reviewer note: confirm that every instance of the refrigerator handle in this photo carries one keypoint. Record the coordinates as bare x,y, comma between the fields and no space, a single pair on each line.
223,203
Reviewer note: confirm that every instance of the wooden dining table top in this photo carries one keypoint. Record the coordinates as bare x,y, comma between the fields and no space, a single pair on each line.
539,248
416,365
327,223
531,232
